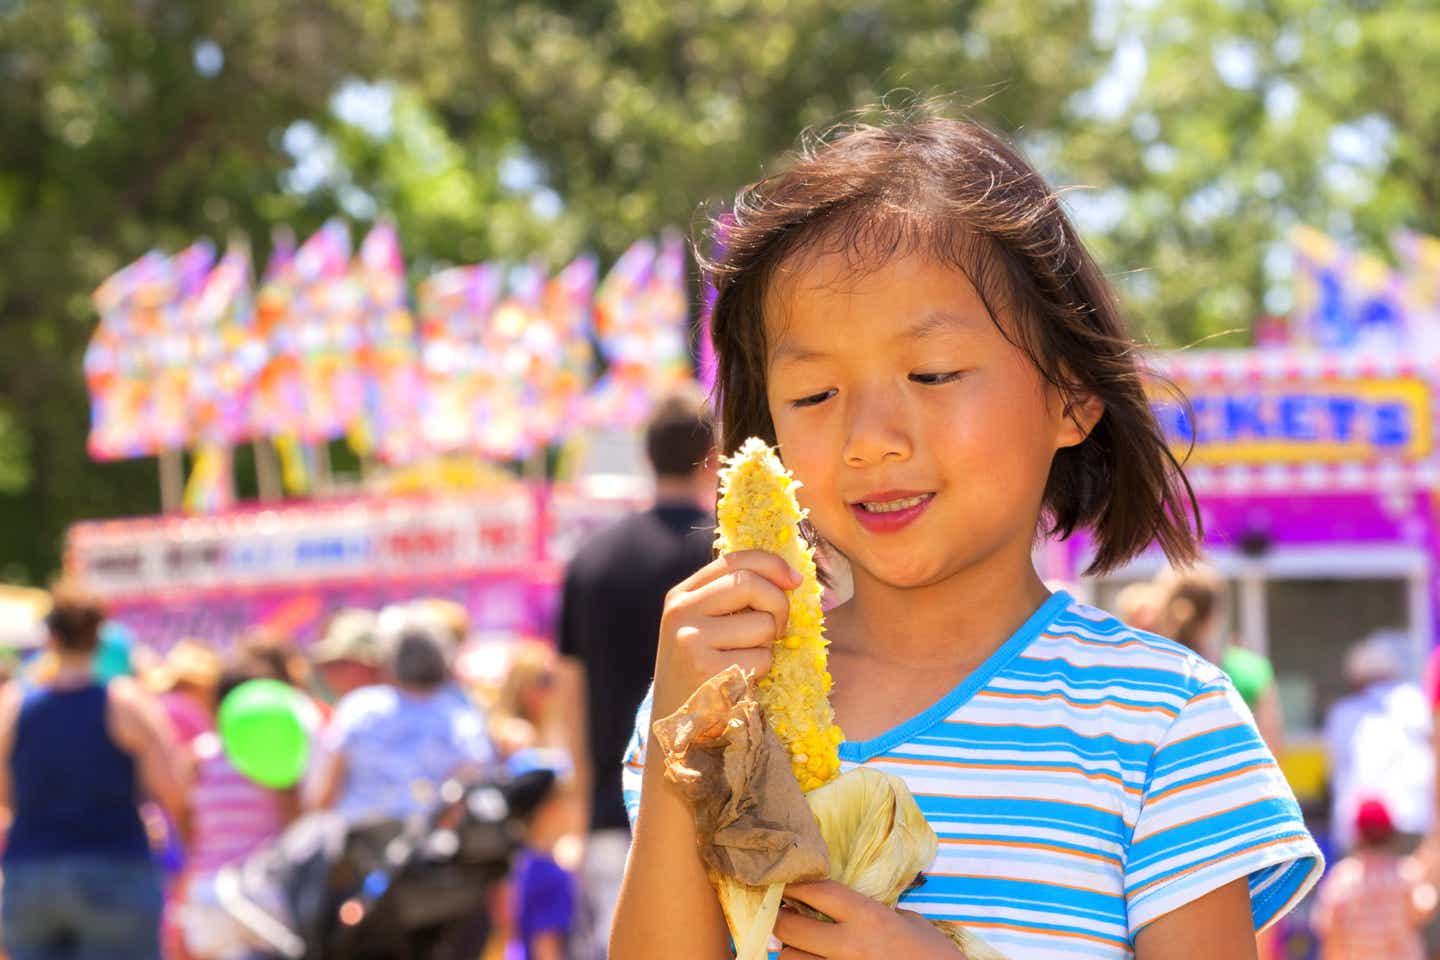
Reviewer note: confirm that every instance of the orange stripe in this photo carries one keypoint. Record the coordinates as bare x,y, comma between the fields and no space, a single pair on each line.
1228,726
1120,645
1078,704
1038,883
1185,823
1042,932
1108,777
1215,778
1051,726
1026,845
1169,877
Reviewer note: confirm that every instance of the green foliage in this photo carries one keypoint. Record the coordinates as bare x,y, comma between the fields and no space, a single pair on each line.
536,127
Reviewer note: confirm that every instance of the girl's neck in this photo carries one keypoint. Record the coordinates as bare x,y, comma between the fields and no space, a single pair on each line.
955,623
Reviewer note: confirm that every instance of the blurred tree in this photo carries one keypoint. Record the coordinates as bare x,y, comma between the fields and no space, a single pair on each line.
1220,126
127,125
511,128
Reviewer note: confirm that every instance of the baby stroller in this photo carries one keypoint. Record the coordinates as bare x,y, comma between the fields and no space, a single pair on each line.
415,889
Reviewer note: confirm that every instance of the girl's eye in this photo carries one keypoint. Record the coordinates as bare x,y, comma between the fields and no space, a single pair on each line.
813,399
935,379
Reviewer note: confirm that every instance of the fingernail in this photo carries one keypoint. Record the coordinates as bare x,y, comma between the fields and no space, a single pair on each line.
796,577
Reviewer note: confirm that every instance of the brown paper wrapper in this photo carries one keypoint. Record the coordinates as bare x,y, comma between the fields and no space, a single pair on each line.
751,818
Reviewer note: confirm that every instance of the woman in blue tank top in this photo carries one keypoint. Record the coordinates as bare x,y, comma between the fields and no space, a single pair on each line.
76,757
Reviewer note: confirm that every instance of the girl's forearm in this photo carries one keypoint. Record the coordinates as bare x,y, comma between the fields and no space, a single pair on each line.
667,907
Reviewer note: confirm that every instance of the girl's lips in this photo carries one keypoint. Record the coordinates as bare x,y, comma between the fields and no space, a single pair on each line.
892,520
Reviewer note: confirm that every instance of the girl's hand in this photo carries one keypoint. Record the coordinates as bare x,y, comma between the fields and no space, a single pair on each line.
863,928
728,612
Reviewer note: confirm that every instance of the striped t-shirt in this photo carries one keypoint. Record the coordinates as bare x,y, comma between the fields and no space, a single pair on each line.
233,816
1085,780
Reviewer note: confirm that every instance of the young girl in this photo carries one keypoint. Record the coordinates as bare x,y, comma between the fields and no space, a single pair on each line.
908,313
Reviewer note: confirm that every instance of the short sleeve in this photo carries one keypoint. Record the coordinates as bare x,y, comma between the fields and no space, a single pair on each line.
1216,808
633,765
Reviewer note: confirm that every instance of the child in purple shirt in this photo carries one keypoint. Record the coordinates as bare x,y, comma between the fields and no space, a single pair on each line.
542,905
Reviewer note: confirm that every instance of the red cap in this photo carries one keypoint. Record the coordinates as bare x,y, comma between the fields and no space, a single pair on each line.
1373,824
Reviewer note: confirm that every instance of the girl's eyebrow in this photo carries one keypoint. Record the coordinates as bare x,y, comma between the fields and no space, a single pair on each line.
935,323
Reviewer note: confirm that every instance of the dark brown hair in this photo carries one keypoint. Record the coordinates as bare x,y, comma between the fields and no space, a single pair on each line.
955,191
74,619
680,435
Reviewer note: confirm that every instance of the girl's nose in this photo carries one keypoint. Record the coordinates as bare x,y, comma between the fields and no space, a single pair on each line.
878,431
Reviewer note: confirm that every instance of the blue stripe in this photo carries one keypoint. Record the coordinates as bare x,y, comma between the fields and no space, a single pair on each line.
968,735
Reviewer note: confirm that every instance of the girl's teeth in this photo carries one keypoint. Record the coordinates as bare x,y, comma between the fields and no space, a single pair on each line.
890,506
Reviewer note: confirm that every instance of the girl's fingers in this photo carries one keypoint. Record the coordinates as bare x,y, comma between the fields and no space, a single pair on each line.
742,590
791,953
767,564
806,933
746,630
756,662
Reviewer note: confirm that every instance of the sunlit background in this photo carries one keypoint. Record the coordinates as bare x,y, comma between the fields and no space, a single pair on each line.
1259,180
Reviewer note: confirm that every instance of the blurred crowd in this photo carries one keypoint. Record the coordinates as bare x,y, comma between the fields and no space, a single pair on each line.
146,789
1378,898
394,704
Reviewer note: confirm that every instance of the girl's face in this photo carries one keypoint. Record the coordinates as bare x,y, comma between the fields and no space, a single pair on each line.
922,436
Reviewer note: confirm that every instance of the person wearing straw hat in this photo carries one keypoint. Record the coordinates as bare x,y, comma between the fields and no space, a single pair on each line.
347,656
185,683
389,747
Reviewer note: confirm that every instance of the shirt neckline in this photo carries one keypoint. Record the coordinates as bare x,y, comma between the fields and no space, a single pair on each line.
859,751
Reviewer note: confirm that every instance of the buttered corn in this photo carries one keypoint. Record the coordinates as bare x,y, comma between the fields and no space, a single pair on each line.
758,511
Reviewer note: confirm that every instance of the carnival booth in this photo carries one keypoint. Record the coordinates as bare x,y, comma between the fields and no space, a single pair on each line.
1315,474
499,552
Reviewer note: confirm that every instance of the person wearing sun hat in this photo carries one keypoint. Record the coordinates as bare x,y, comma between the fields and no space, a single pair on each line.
348,655
184,681
390,746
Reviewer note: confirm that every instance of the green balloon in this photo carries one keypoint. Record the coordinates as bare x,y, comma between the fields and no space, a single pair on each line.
263,732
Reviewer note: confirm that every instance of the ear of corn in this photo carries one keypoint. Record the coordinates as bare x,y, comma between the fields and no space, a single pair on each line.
758,511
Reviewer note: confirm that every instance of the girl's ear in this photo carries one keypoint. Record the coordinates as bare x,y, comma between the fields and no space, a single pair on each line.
1078,418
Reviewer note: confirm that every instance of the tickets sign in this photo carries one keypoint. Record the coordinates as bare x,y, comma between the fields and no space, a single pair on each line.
1322,421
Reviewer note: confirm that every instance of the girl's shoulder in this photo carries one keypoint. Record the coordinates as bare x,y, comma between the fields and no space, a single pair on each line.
1106,647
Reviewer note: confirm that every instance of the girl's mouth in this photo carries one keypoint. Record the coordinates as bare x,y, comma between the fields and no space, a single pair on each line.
886,514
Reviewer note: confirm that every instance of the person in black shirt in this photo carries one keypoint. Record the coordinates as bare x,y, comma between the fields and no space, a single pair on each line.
610,606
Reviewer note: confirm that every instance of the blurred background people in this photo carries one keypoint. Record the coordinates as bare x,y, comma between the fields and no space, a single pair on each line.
1375,902
184,681
388,747
76,757
230,817
1378,742
1191,610
610,606
347,656
540,900
1140,605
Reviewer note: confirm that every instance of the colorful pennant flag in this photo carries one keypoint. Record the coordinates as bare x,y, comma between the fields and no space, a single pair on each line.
641,321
